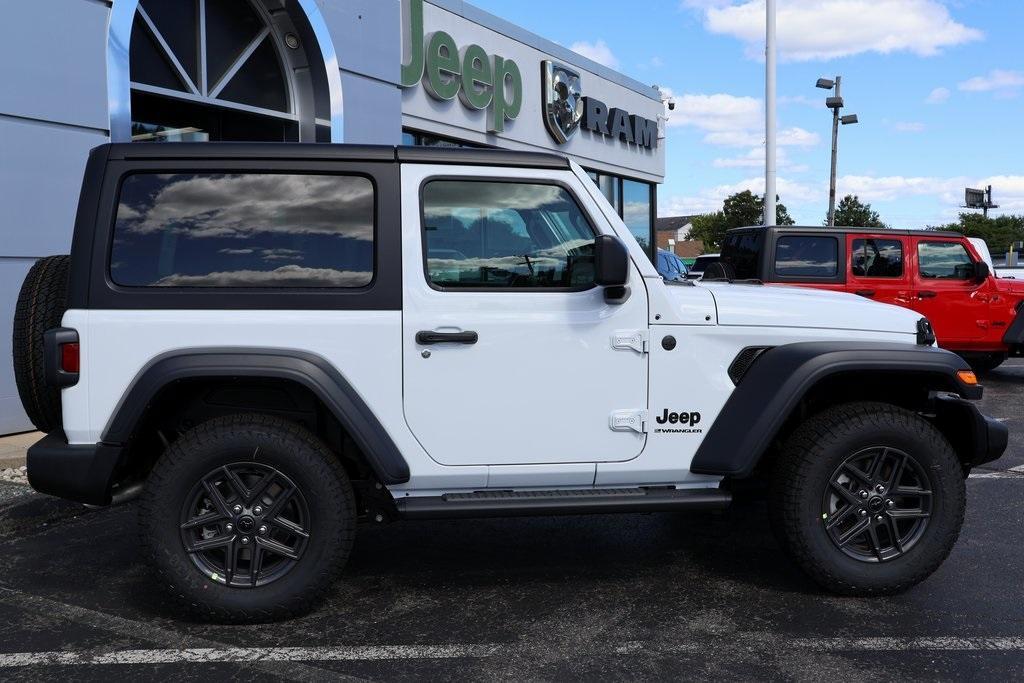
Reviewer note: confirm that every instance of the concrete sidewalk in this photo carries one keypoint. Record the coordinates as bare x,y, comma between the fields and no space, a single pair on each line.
13,447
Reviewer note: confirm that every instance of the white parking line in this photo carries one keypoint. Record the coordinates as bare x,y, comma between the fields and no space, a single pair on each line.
1006,474
944,644
243,654
479,651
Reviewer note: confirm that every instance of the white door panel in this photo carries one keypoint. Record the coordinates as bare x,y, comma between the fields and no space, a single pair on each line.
542,379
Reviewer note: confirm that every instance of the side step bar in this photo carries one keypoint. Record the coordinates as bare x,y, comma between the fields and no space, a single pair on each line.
563,502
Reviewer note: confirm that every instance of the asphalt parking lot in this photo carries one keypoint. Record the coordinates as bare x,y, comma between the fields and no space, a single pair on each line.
626,597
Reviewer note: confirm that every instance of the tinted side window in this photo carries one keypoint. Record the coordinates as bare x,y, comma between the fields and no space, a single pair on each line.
741,252
944,260
877,258
807,256
243,230
501,234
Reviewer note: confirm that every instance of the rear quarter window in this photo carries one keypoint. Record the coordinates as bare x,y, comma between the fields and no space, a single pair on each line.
807,256
243,230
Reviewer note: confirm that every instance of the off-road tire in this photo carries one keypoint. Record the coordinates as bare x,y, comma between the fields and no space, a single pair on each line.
283,445
41,305
986,362
802,472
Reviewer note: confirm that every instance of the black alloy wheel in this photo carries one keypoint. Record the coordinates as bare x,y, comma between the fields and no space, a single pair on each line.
245,525
877,504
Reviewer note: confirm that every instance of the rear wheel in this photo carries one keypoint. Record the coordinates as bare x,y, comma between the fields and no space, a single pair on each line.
247,518
868,498
42,301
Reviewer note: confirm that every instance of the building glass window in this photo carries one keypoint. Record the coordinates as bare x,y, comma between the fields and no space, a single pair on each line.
633,200
418,139
243,230
219,70
637,211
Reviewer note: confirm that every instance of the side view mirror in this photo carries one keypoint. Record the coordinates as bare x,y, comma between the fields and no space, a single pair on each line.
981,271
611,261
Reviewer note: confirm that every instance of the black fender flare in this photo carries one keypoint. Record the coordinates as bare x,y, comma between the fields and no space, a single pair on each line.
310,370
779,379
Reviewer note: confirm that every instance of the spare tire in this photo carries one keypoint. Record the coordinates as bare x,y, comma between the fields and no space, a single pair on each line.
41,305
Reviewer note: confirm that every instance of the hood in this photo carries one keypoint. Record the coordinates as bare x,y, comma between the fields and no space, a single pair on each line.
780,306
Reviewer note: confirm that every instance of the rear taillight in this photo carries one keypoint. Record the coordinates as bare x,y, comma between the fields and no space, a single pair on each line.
63,356
69,357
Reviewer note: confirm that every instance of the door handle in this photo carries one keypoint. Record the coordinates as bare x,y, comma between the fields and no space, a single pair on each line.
865,292
926,295
426,337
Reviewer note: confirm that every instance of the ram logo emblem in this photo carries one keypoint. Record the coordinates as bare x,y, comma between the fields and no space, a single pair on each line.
563,100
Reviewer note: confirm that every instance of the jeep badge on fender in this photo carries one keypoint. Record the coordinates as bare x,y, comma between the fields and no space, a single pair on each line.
678,418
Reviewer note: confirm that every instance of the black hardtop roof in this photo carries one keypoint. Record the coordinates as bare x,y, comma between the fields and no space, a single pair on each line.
842,230
138,151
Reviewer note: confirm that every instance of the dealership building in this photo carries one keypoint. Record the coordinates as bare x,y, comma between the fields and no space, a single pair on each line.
79,73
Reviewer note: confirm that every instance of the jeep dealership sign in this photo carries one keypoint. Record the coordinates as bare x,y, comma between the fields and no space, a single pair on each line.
466,81
481,81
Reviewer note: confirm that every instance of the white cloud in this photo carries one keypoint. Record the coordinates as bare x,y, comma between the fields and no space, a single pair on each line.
731,120
598,52
710,199
1000,81
718,112
908,127
285,276
754,158
826,29
943,195
937,96
801,99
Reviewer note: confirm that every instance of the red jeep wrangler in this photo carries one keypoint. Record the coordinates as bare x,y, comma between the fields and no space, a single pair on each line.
938,274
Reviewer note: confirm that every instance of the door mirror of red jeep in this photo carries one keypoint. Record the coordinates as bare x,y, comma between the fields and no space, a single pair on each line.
611,261
981,271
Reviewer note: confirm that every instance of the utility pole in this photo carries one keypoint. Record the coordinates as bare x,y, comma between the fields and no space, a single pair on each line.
835,103
769,114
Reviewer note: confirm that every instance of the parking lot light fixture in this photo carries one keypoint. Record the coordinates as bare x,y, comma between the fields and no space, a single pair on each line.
835,103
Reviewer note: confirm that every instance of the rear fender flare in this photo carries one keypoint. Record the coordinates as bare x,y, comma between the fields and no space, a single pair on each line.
310,370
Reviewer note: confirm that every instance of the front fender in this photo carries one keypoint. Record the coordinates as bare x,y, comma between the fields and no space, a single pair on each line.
781,377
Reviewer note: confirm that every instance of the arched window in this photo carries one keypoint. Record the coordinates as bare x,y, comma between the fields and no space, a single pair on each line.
201,70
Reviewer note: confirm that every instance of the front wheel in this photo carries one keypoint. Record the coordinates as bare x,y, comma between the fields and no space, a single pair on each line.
986,362
868,498
247,518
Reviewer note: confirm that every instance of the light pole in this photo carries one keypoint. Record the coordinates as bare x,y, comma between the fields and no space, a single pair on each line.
769,114
835,103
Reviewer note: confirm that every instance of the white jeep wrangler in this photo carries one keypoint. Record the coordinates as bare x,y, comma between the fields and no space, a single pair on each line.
269,343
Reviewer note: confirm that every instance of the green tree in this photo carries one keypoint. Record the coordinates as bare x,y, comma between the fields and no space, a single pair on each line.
854,213
738,210
998,232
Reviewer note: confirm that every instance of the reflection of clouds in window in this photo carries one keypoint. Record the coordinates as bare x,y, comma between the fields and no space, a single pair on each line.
636,214
244,230
451,198
244,204
285,276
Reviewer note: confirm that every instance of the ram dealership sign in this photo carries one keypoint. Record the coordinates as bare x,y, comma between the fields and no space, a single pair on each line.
566,109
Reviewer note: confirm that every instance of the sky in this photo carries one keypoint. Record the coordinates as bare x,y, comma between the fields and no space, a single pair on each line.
937,85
